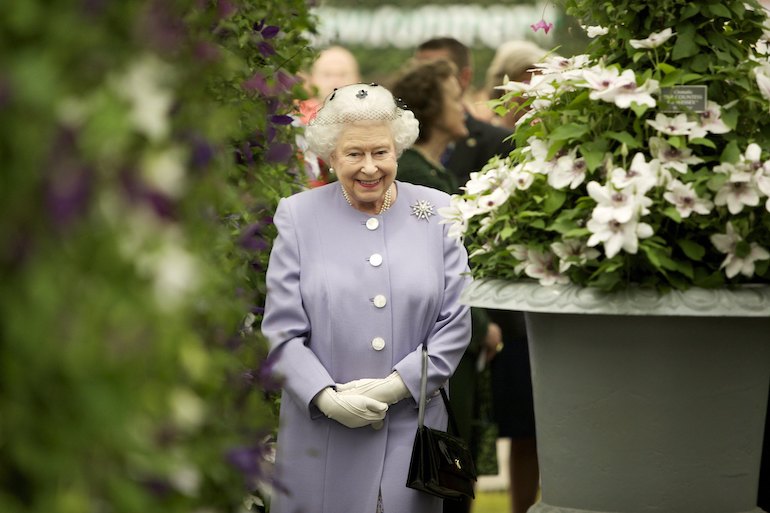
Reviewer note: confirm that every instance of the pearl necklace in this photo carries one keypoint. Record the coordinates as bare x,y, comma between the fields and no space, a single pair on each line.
386,201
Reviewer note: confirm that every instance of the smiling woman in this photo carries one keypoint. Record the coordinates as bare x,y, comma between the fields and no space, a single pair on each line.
360,279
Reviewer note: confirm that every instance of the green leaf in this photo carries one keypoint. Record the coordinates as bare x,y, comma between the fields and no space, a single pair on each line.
676,141
693,250
702,141
568,131
666,68
720,10
554,200
730,118
624,138
731,153
507,232
685,45
689,11
672,213
638,109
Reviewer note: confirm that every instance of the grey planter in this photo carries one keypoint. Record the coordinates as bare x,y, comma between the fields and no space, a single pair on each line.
644,403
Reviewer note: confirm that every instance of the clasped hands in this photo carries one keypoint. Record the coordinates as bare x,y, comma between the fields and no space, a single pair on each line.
362,402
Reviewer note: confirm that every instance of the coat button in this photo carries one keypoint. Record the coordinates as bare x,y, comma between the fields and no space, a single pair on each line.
372,223
378,343
375,259
380,301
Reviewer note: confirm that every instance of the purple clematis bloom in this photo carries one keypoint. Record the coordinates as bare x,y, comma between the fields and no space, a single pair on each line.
270,31
266,49
252,238
279,152
281,119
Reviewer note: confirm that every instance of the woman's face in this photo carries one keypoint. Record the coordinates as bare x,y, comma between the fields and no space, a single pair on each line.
365,163
453,119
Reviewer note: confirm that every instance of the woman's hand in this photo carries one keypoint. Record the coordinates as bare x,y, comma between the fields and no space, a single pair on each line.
350,410
388,390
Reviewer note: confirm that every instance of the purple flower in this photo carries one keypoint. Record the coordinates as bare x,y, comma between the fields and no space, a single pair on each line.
270,31
285,80
279,152
226,8
267,378
202,152
542,24
266,49
258,83
252,238
281,119
68,183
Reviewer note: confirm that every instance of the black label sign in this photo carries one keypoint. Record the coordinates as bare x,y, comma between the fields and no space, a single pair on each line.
683,98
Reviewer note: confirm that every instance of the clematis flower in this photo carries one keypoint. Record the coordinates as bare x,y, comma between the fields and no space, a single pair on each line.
457,215
521,253
573,252
631,93
654,40
555,64
542,267
711,119
733,264
595,31
143,85
616,235
670,157
686,200
570,171
542,24
640,175
618,205
519,178
539,151
736,195
762,76
678,125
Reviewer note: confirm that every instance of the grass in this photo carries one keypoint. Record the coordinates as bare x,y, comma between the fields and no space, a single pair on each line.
491,502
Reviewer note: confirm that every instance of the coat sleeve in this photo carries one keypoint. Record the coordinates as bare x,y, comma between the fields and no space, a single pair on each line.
285,323
451,332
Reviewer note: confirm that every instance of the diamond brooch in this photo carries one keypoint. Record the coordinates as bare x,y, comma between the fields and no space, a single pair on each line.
422,209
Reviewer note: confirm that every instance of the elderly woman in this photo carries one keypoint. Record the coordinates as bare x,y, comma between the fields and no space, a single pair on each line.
361,276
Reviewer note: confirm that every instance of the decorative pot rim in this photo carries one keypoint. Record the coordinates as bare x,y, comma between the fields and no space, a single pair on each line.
743,301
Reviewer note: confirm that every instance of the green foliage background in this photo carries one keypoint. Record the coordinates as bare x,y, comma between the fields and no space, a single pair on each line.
131,365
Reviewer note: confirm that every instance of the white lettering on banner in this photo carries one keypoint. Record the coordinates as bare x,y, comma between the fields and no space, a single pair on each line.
389,25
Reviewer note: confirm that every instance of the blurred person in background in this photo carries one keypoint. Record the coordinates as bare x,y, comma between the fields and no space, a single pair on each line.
512,399
514,60
443,143
431,90
334,67
484,141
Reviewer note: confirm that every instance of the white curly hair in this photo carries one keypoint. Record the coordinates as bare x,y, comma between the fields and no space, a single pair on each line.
358,103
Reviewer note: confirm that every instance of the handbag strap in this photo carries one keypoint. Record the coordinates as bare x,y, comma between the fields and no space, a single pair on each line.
424,393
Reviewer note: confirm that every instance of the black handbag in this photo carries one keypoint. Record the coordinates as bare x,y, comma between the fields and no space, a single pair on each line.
441,463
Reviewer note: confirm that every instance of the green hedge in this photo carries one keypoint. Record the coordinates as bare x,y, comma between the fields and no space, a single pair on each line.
143,147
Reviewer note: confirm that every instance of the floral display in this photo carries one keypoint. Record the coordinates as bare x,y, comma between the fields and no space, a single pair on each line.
644,161
143,148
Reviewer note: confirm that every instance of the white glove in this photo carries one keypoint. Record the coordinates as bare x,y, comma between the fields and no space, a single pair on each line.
352,411
389,390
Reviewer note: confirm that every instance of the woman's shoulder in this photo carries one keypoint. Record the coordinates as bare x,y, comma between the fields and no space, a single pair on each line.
311,198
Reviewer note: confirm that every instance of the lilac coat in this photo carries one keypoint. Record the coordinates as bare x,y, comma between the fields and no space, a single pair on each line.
325,328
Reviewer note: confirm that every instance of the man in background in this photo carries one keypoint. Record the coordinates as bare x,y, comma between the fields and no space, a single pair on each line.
334,67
